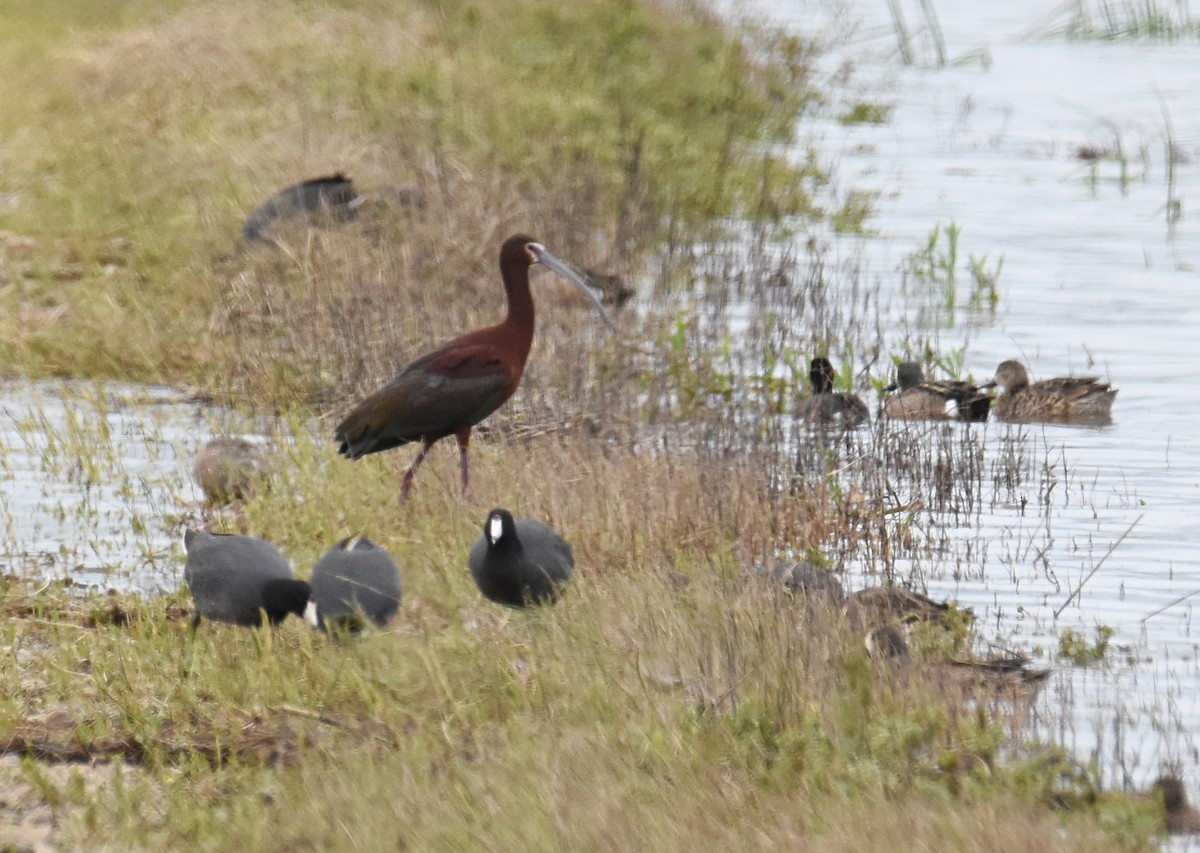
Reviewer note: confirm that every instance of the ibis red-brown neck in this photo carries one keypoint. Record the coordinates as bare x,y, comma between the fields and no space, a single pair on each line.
515,334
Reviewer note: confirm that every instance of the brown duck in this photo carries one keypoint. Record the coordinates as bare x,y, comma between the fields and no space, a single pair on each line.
1065,399
827,407
919,400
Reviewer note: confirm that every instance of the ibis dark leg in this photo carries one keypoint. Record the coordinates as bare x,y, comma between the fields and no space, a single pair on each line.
407,482
463,436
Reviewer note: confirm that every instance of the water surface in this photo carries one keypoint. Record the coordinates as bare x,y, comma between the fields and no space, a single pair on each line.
1095,280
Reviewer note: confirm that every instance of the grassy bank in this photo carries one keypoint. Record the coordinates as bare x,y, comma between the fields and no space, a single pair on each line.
147,131
671,699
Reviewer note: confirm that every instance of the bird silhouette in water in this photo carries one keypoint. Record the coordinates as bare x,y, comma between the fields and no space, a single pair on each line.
827,407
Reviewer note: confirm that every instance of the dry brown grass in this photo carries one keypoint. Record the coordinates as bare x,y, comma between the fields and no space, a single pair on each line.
671,699
148,134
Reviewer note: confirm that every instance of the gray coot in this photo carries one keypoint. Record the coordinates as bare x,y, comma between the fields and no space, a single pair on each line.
806,579
519,562
240,579
353,581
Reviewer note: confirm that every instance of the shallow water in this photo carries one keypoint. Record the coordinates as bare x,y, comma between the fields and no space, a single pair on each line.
1094,281
102,507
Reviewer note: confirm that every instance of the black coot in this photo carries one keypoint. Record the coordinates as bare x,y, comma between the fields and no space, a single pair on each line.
519,562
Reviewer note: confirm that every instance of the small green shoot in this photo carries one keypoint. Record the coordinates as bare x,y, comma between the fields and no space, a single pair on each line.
1074,646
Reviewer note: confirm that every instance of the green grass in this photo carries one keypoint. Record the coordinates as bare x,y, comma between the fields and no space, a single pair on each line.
1074,646
671,699
865,112
1118,20
147,132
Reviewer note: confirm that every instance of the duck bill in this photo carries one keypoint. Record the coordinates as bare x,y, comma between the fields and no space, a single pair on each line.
555,265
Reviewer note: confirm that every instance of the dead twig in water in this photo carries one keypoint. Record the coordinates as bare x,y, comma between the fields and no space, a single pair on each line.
1169,605
1096,567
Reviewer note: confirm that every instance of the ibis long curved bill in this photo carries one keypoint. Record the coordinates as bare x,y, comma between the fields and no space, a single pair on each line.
451,389
546,259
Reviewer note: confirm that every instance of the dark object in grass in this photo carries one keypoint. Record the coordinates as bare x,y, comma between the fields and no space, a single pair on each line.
228,469
1181,817
807,579
519,563
887,643
240,579
827,407
333,196
612,290
1014,668
353,582
919,400
878,606
453,388
1083,400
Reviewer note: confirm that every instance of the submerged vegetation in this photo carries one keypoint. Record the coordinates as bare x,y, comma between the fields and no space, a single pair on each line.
1126,19
933,272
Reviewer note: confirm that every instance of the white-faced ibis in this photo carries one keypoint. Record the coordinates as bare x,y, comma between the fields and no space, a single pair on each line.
453,388
519,562
228,469
332,195
1065,399
920,400
240,579
354,581
826,406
